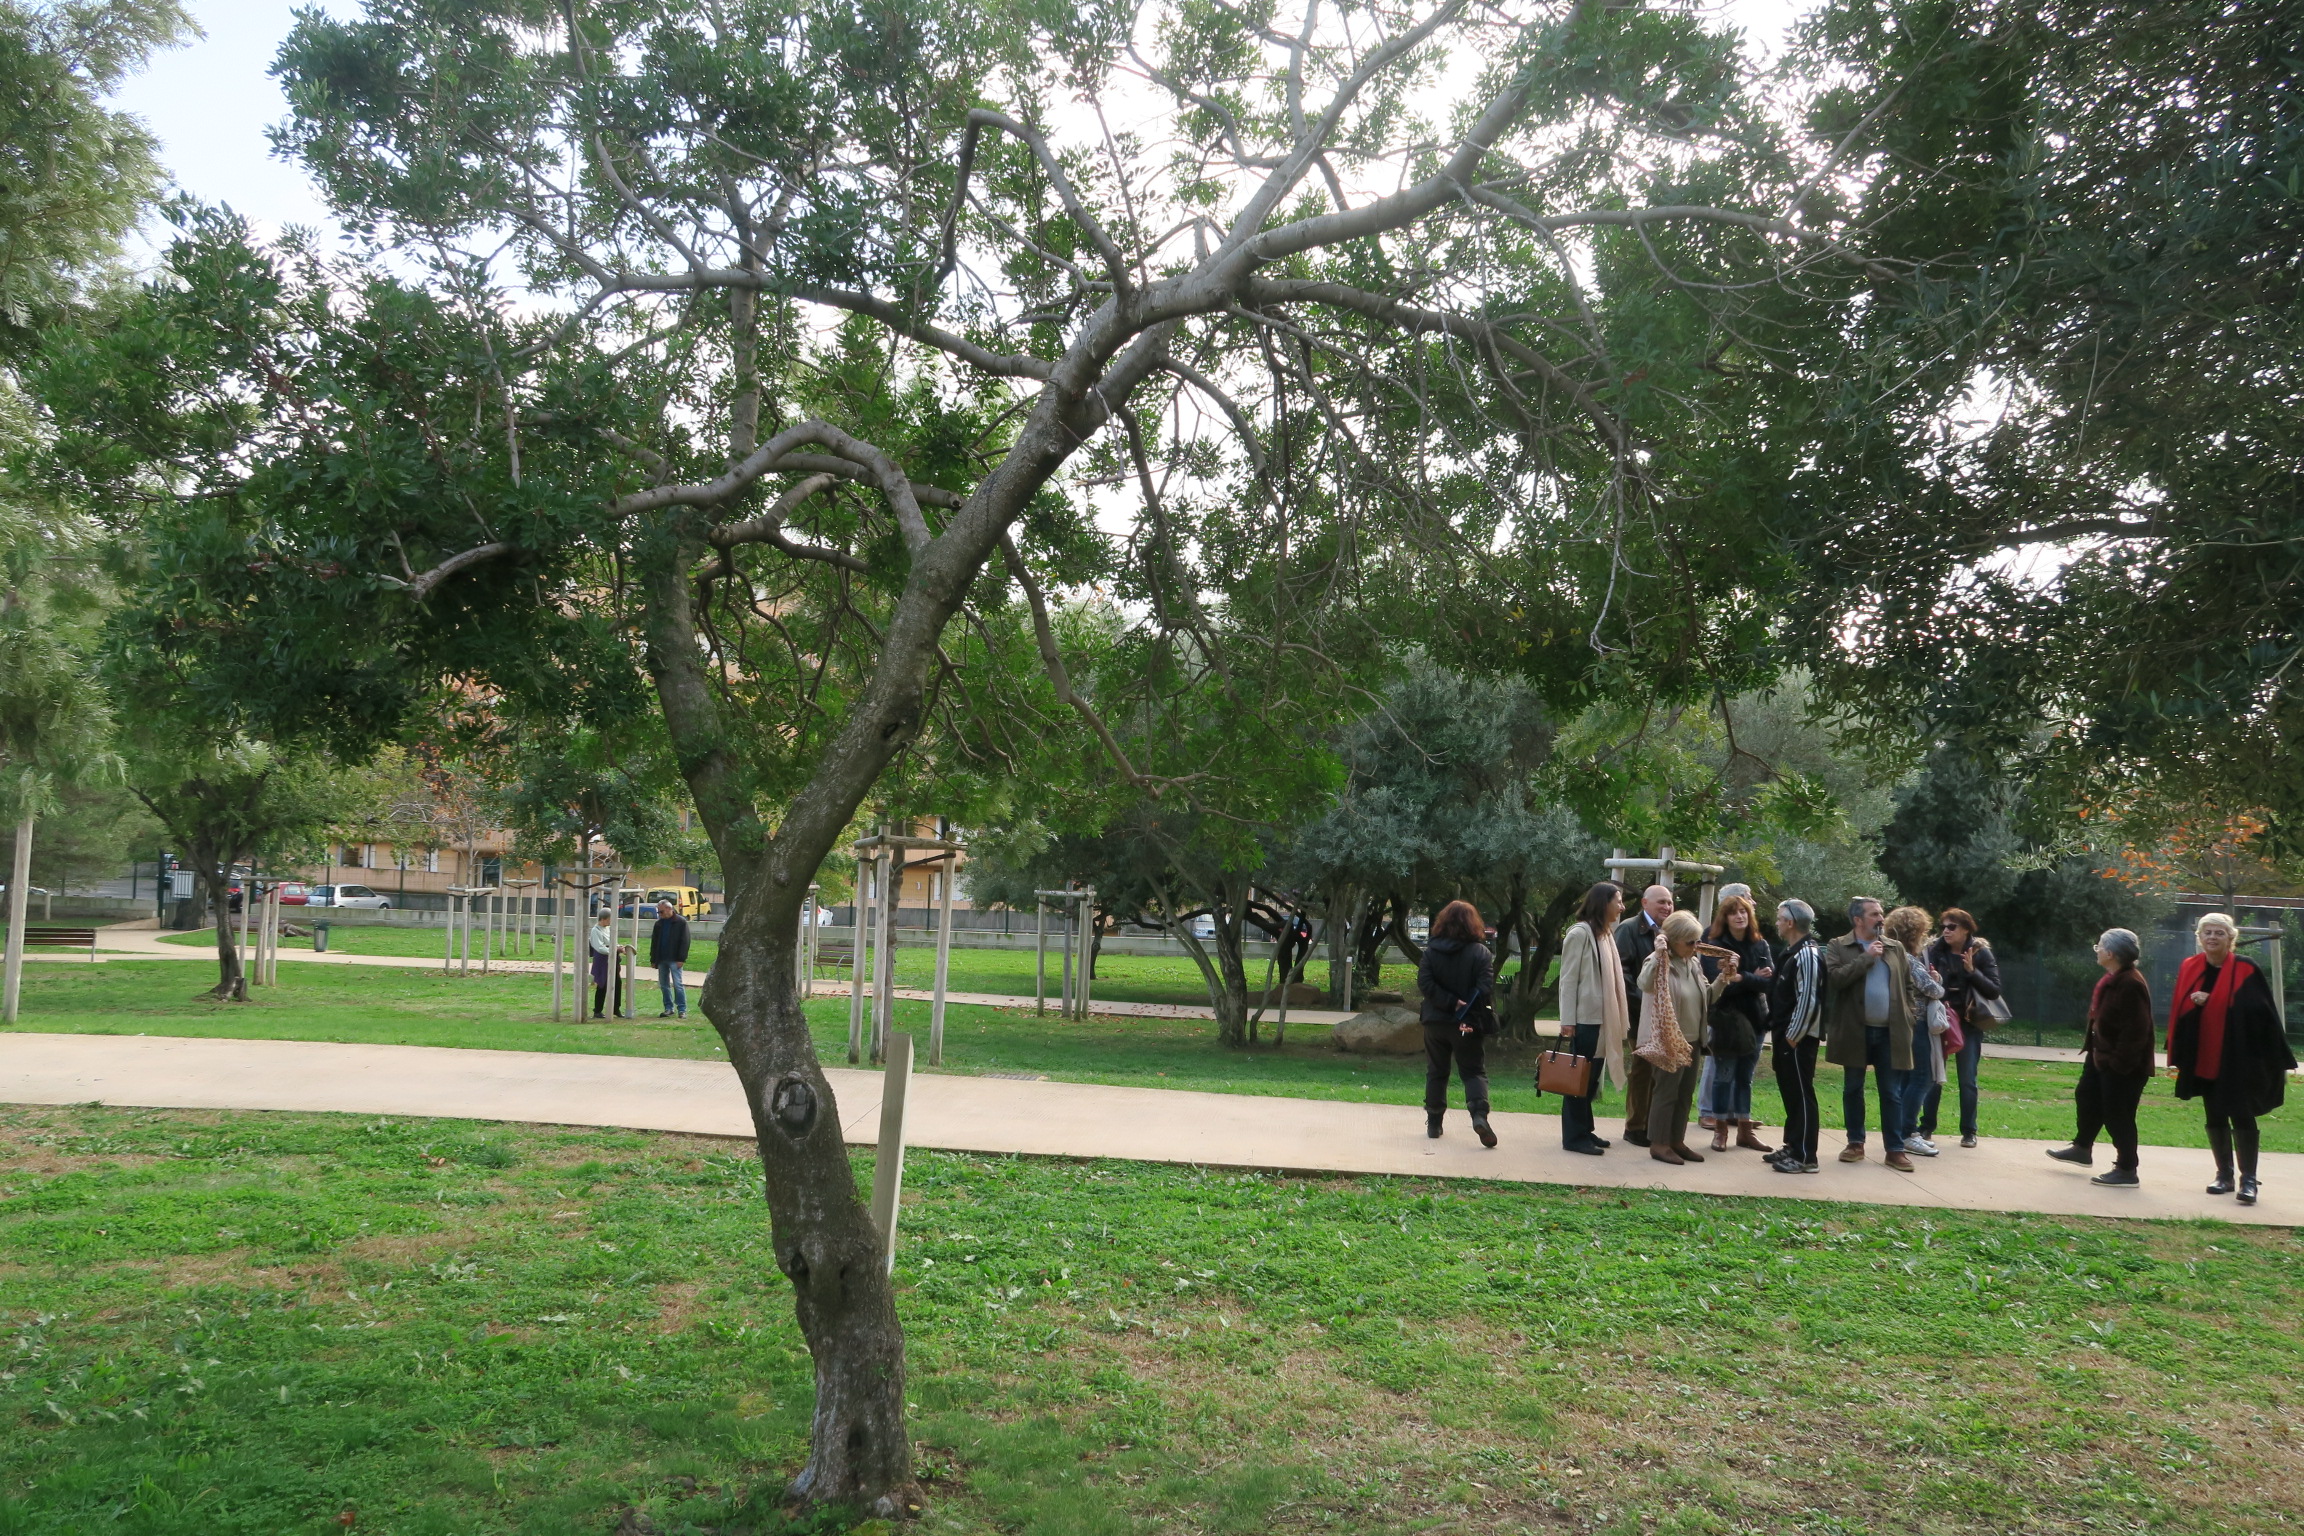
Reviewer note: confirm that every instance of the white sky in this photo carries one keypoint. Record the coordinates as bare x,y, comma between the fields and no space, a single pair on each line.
211,102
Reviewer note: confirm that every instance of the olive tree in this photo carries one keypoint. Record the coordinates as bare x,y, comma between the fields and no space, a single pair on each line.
815,354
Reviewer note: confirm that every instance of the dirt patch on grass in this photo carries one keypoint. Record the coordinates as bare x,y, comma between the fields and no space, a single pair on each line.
679,1306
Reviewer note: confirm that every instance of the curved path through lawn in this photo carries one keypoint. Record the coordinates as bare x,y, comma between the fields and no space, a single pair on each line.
981,1114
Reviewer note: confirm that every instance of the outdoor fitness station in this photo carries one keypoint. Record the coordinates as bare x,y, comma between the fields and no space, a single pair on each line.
1664,868
880,866
571,924
1073,1003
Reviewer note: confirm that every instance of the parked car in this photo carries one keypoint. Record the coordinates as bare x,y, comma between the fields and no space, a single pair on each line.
295,894
693,903
350,896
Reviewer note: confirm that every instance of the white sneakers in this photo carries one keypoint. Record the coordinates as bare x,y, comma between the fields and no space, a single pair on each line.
1920,1145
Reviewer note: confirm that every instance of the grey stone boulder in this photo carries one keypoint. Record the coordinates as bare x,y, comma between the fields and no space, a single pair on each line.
1384,1030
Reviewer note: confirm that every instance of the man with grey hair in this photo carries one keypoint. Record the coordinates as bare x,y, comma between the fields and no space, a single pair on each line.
1869,1016
1635,942
1795,1017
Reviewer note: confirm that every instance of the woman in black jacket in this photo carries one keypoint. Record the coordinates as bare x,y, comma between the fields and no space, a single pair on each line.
1971,974
1457,978
2228,1048
2117,1061
1736,1051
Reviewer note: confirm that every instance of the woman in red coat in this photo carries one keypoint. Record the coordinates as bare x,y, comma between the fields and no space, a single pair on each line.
2228,1048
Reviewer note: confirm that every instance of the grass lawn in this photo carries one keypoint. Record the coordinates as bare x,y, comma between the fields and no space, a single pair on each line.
246,1323
1119,978
402,1006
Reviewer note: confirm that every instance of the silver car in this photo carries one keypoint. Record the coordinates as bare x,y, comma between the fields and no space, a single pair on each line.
350,896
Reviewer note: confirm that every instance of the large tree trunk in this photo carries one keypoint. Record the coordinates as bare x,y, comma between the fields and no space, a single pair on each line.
216,882
826,1244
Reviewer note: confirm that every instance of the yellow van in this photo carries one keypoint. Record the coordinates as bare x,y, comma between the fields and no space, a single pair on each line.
693,903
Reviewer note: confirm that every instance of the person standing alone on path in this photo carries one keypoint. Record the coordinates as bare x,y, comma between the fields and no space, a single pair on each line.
2116,1062
1592,1008
1635,942
2228,1048
1868,1016
1971,973
1457,977
668,951
1796,1023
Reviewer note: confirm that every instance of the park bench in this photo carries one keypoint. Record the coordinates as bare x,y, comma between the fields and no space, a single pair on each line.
61,938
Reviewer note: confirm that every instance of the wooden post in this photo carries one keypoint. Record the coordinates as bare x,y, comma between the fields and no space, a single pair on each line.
1071,925
1087,945
862,917
555,957
943,958
884,951
19,916
247,922
888,1155
805,979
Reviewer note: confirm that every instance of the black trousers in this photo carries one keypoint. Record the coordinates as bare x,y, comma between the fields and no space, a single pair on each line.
2107,1102
1796,1082
1576,1114
2229,1133
1446,1046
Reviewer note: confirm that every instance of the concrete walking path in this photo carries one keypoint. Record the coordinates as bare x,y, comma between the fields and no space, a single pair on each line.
990,1115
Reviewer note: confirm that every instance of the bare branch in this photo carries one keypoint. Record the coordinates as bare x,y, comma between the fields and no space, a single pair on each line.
1114,262
421,587
766,458
1008,365
1052,657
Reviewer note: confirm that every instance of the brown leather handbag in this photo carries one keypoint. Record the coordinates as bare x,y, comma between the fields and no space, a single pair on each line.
1566,1074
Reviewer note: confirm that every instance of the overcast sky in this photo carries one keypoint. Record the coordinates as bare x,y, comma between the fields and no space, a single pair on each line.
211,102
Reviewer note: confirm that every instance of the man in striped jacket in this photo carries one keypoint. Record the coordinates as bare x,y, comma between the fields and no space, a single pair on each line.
1796,1024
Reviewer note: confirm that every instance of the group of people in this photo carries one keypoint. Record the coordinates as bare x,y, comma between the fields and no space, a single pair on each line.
667,952
1676,1016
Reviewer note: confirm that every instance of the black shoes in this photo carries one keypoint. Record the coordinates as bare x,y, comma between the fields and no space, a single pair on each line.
1637,1138
2074,1155
1591,1146
1432,1126
2247,1189
2223,1184
1481,1130
2118,1178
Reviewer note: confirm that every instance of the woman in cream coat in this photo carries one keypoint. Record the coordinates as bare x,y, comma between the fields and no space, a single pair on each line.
1593,1017
1692,997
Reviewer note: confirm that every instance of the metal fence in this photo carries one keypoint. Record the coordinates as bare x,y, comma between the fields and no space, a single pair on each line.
2049,990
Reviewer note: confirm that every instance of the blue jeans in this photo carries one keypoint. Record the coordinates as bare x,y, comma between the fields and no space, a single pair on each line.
1878,1057
674,989
1913,1087
1970,1057
1728,1092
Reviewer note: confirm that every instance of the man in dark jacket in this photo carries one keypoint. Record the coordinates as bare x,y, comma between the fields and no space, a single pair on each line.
1635,942
668,951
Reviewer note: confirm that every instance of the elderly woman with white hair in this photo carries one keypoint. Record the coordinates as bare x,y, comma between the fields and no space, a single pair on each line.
2229,1050
1677,1000
2116,1062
